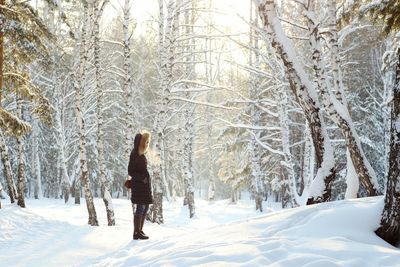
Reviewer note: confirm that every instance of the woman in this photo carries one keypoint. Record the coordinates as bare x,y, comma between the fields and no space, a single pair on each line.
140,183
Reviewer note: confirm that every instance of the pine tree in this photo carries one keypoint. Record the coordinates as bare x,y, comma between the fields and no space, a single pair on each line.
23,36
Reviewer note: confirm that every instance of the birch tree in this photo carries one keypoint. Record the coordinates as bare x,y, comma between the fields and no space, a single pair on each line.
79,87
99,114
336,106
127,84
320,190
21,159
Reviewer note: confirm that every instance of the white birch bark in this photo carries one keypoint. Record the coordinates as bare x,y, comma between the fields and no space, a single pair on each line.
164,42
79,87
188,127
36,162
127,85
337,108
287,163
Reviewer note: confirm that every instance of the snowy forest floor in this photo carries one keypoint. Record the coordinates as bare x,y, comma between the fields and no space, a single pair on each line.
50,233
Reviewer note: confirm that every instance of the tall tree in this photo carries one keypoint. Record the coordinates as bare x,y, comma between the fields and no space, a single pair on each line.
98,10
25,36
79,88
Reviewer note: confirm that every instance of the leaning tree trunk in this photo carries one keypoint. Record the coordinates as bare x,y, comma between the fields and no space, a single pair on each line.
8,174
81,123
390,222
320,190
331,105
107,199
21,161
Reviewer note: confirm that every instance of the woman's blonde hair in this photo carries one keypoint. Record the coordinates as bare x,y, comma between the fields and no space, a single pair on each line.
144,142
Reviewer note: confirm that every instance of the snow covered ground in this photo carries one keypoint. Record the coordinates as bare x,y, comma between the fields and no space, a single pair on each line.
50,233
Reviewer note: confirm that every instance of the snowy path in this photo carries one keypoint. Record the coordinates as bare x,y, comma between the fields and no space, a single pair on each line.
331,234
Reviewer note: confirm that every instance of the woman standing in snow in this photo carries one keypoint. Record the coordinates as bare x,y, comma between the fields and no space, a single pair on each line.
140,183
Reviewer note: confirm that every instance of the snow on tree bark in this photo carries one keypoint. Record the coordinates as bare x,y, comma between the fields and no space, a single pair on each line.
337,108
389,229
320,190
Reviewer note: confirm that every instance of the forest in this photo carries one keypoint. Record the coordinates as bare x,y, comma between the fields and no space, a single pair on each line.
293,101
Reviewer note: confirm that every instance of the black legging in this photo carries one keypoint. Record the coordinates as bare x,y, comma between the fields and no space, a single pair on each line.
141,209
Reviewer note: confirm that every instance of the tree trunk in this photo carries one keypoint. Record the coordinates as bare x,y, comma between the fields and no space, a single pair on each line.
389,229
81,122
320,190
127,82
1,51
8,174
165,44
287,164
100,120
21,161
77,190
256,186
1,193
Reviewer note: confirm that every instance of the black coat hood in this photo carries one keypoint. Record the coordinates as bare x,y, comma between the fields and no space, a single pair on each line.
136,143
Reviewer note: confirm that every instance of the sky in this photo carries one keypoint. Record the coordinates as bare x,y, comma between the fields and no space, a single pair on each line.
142,11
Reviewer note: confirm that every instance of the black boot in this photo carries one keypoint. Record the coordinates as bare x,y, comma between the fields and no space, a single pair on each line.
137,221
143,219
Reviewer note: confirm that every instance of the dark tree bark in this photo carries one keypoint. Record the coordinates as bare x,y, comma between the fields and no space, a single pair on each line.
8,174
1,48
390,222
21,161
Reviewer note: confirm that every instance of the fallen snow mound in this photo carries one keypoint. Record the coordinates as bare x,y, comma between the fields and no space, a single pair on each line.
330,234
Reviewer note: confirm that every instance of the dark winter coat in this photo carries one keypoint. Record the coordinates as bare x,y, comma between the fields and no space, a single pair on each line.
140,182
